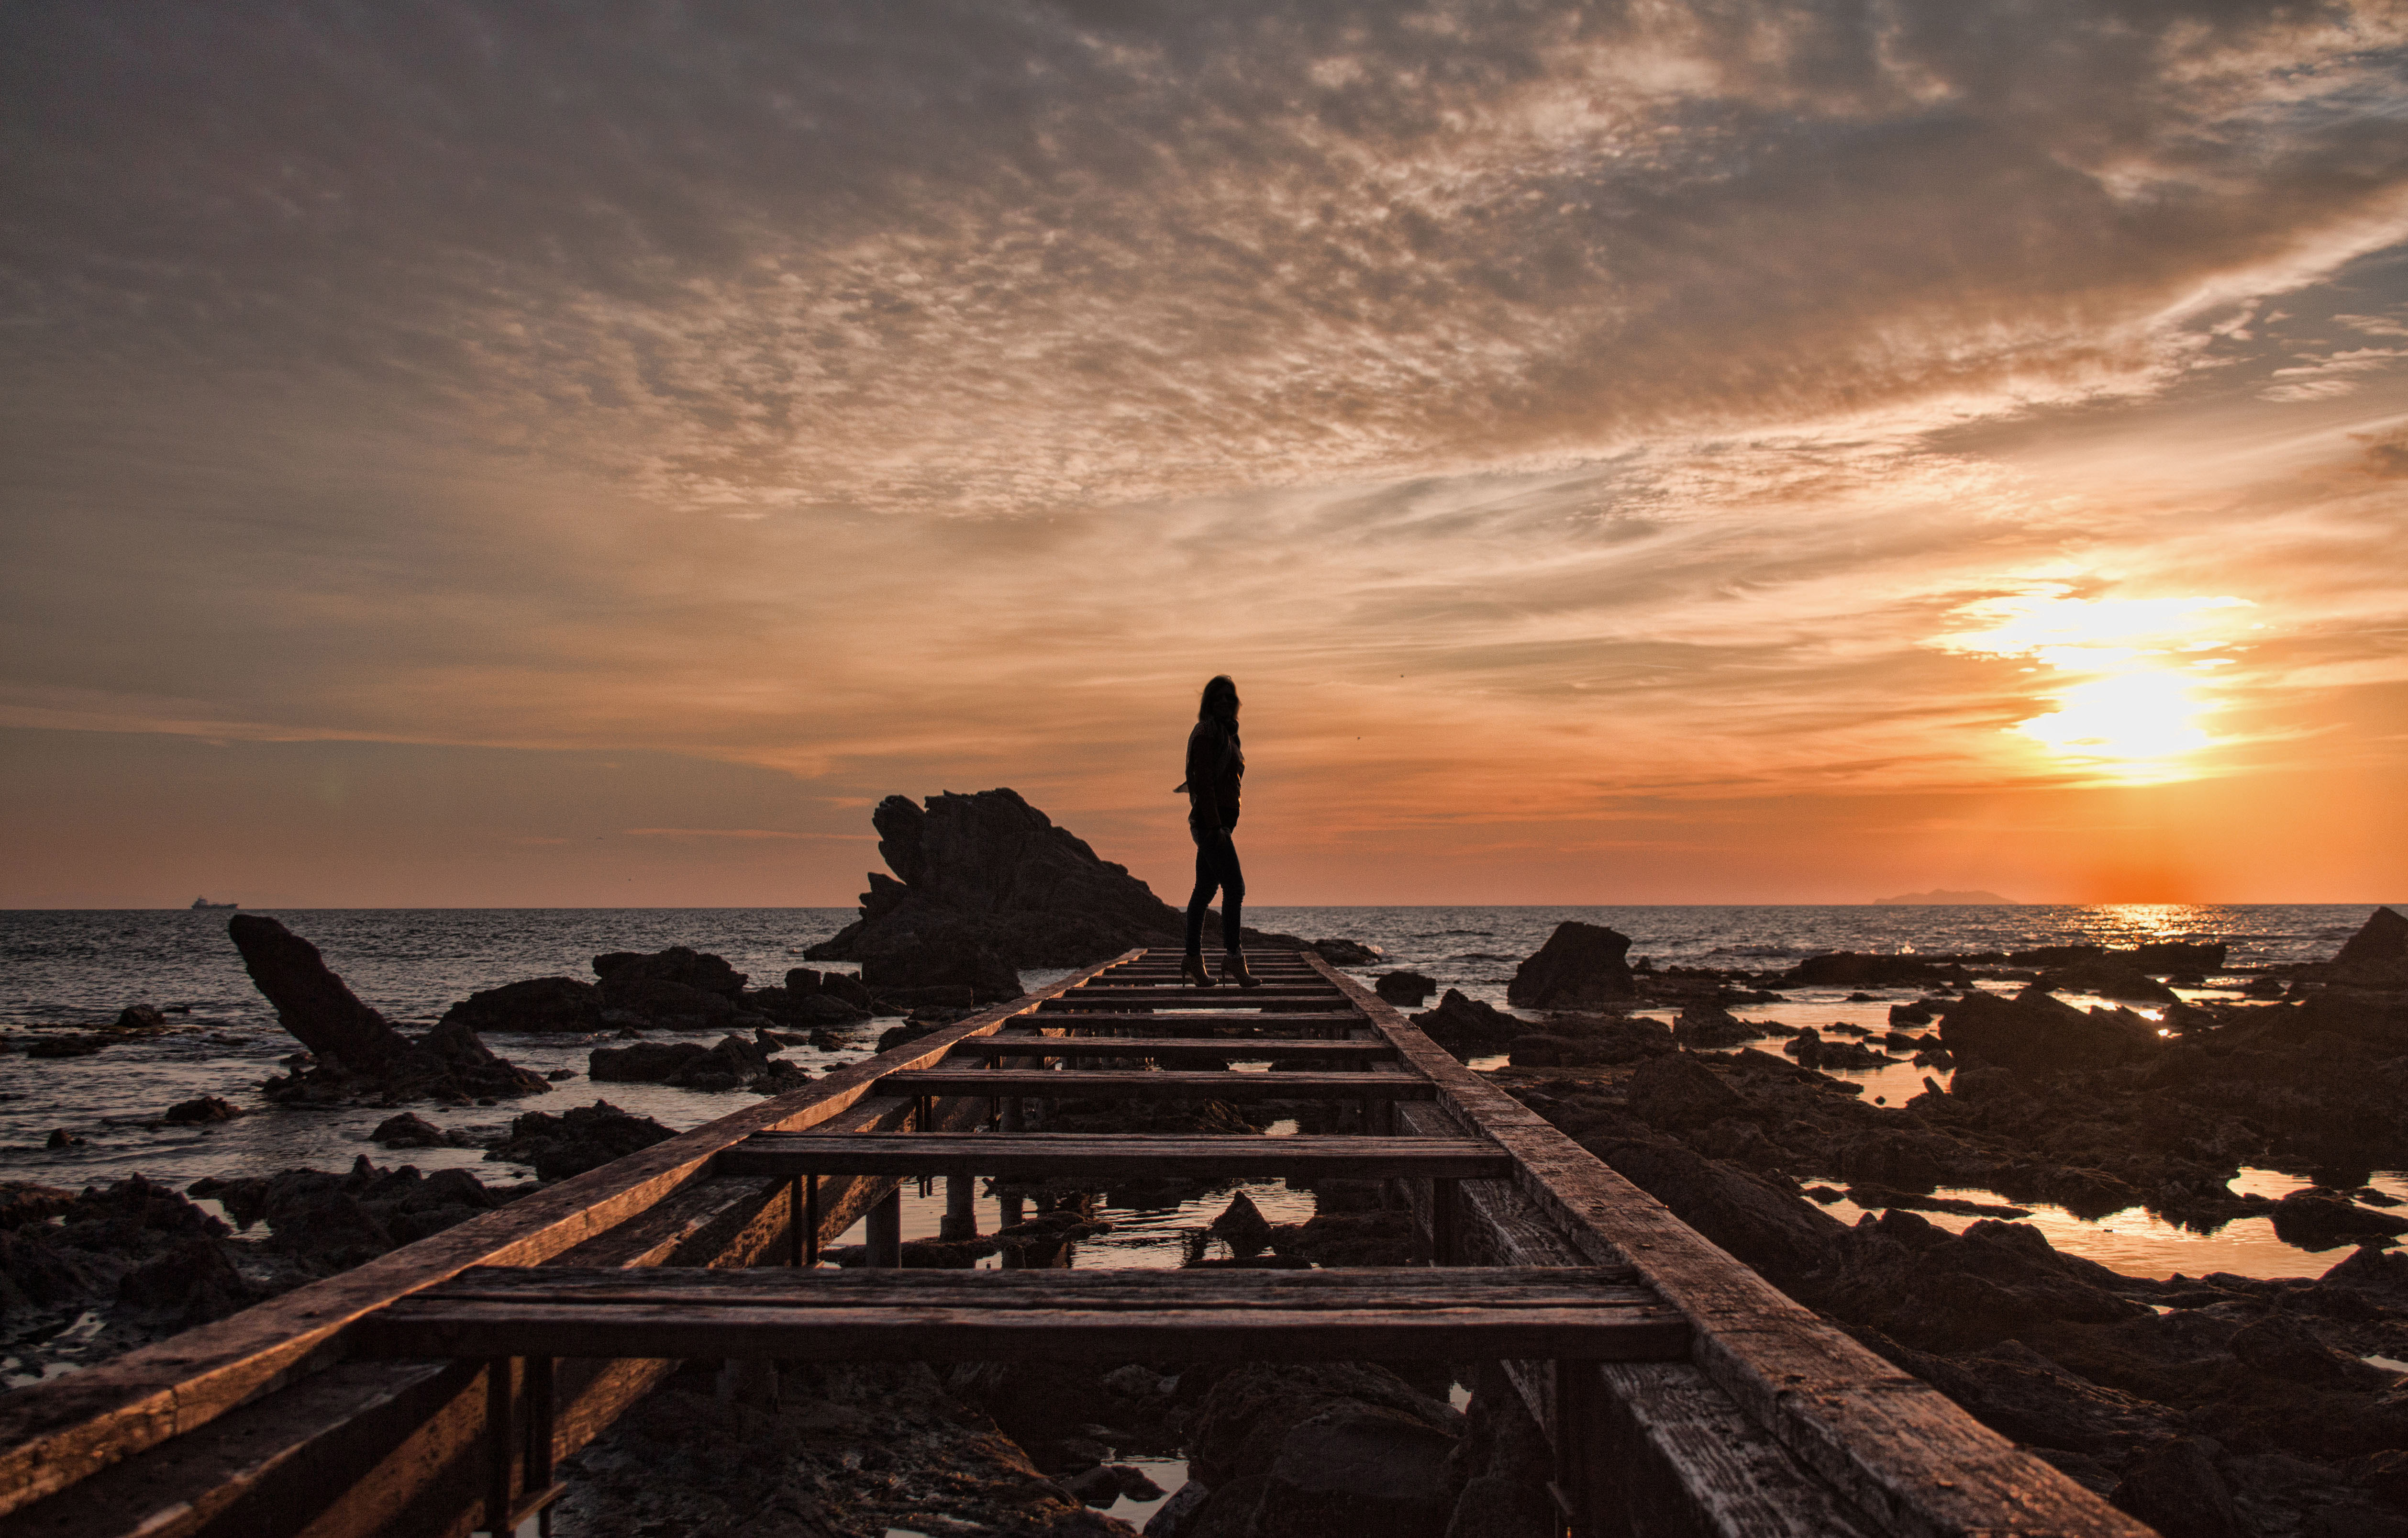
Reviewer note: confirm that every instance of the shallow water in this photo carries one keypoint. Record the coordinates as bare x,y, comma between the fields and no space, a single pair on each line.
81,967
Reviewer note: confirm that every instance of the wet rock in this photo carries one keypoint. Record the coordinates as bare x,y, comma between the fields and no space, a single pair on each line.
1338,1240
990,870
733,1063
1405,988
2033,1035
60,1137
2281,1347
1678,1091
407,1131
2378,953
780,1077
1468,1028
1108,1481
64,1046
2109,977
208,1108
813,998
2370,1266
1361,1468
1858,970
680,965
1580,964
192,1284
1241,1227
1705,1026
578,1140
1244,1423
539,1004
2320,1220
23,1202
1919,1013
1811,1051
1346,953
2176,955
661,1004
1577,1039
142,1017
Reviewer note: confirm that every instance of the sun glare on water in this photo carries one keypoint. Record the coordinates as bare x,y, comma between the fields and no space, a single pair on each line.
2131,702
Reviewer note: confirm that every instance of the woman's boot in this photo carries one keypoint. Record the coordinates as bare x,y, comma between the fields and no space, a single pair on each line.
1193,969
1233,968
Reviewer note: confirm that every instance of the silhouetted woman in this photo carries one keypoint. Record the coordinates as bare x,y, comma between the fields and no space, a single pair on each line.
1215,765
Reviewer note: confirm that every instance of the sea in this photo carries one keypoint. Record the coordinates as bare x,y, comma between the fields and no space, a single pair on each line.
81,967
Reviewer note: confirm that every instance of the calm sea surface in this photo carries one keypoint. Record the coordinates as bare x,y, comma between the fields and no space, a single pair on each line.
83,967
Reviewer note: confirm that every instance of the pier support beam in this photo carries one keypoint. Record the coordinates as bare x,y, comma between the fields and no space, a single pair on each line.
961,1212
885,1231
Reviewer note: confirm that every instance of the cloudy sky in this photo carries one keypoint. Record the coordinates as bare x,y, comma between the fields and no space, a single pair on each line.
1662,451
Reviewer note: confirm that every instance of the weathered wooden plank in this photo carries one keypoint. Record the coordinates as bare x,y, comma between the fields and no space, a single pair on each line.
55,1434
1157,1154
1154,1084
1402,1287
1637,1330
1284,1050
1891,1446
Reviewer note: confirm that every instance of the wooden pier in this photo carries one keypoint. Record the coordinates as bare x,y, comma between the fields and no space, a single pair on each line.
432,1391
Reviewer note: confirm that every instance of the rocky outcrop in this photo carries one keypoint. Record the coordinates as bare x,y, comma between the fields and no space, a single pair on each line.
1858,969
2034,1035
581,1139
1569,1040
733,1064
540,1003
2377,954
357,1053
336,1221
1468,1028
1405,988
2109,977
991,872
1581,966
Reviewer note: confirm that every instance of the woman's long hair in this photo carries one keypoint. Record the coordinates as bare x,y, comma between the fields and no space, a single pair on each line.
1219,685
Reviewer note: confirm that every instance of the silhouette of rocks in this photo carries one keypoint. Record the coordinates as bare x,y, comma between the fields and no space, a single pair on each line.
2174,1488
2034,1035
357,1053
1706,1027
815,998
208,1108
336,1221
64,1046
2109,977
990,871
1468,1028
1580,964
142,1017
580,1139
1405,988
411,1131
680,964
732,1064
1569,1039
1813,1051
1345,952
1855,970
1244,1426
1678,1091
2377,954
540,1004
2320,1220
1241,1227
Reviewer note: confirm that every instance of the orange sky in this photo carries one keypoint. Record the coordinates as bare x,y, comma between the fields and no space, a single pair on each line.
1666,455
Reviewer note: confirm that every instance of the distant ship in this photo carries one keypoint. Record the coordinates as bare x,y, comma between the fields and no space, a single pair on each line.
204,902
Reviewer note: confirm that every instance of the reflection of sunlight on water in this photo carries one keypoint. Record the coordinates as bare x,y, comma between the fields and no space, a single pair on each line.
1141,1238
2139,1243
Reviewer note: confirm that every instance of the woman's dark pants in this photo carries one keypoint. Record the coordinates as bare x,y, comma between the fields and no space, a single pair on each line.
1216,867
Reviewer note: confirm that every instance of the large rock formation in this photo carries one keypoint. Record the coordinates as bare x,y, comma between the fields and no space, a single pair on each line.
986,882
357,1052
2034,1035
1581,966
2377,954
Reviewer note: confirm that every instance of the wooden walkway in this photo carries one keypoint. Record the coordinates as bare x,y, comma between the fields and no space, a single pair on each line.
432,1391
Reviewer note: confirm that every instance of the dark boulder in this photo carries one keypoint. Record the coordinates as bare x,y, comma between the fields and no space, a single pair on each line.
1677,1092
990,870
2378,953
1405,988
2176,955
208,1108
733,1063
663,1004
1706,1027
1468,1028
680,964
1860,969
2034,1035
1573,1041
1360,1468
578,1140
142,1017
1581,965
2174,1488
540,1004
2109,977
1244,1422
1345,952
407,1131
2320,1220
938,961
1241,1227
192,1284
311,1001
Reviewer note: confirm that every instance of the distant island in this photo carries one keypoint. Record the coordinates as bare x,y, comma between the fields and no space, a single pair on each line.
1943,898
